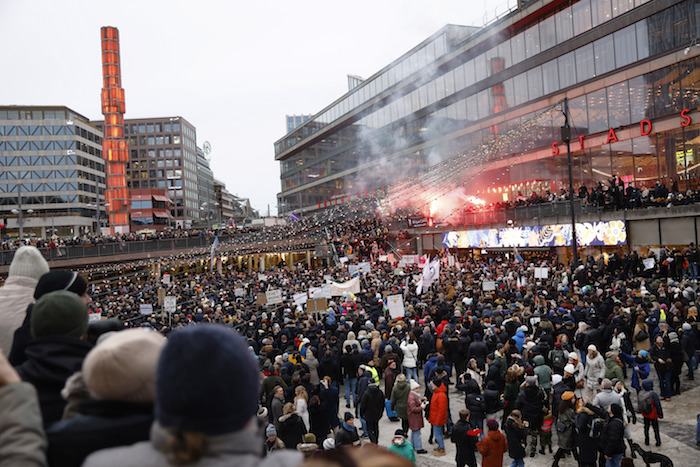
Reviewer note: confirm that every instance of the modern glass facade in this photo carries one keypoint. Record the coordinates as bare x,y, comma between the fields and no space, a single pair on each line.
50,163
618,61
163,154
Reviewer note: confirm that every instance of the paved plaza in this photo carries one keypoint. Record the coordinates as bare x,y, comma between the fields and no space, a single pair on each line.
677,431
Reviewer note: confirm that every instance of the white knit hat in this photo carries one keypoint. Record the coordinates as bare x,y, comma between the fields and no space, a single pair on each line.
414,384
123,366
28,262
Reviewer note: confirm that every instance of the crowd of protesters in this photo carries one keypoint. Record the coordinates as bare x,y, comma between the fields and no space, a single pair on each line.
225,380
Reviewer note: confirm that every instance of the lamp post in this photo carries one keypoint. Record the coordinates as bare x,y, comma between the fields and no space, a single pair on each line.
566,137
205,207
19,212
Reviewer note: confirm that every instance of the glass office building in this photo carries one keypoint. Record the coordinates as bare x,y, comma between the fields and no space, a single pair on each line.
51,170
626,65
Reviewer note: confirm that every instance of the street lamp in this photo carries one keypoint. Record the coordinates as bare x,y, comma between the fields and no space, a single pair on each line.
20,219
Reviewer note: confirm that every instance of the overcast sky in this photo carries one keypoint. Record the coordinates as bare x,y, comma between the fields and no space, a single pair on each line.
234,69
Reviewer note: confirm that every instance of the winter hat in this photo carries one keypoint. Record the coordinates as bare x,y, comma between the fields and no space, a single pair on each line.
309,438
28,262
59,313
328,444
207,381
556,379
592,348
557,345
616,410
569,368
348,416
567,395
437,382
399,432
687,327
530,381
123,366
414,384
270,430
492,424
60,280
643,353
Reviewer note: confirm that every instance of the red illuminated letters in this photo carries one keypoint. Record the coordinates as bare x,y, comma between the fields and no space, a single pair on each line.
555,148
686,120
612,137
580,140
645,126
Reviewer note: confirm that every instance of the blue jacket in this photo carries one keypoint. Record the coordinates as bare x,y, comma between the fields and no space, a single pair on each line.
362,383
637,375
519,339
428,368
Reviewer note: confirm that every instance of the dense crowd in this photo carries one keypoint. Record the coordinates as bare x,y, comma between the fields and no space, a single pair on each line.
225,380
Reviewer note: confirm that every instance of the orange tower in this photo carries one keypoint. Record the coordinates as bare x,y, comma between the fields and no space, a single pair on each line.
114,147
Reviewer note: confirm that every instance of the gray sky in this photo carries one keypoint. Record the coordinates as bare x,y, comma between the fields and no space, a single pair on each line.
233,69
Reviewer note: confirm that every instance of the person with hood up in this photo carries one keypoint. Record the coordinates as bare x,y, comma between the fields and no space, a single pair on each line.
531,403
619,388
204,414
59,326
650,407
399,400
578,374
593,373
465,436
402,447
516,434
612,440
567,435
351,342
17,293
544,374
613,366
347,433
414,410
640,367
689,342
492,446
120,375
372,409
438,414
519,338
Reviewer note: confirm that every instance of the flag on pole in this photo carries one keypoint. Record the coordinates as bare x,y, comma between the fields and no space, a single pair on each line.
213,249
295,217
431,272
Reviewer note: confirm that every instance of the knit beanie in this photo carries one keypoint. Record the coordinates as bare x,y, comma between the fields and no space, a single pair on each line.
207,381
59,313
28,262
492,424
123,366
60,280
270,430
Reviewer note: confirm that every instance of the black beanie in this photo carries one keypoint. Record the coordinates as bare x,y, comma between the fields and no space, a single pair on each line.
348,416
207,381
59,313
60,280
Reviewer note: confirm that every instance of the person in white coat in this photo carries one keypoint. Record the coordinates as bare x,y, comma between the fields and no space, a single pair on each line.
301,403
409,347
27,266
593,373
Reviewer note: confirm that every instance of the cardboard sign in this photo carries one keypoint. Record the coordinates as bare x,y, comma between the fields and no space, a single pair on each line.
239,292
170,303
166,278
487,286
648,263
317,304
321,292
95,316
274,297
344,260
300,298
146,309
261,299
541,273
395,305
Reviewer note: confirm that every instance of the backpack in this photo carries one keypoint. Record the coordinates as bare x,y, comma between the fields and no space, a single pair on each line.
596,428
646,405
580,341
558,361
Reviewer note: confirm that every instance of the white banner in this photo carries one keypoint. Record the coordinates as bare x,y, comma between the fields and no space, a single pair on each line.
352,287
94,316
488,286
300,298
395,305
541,273
146,309
239,292
166,278
274,296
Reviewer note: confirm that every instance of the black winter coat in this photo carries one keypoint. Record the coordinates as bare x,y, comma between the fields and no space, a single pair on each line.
588,447
612,438
50,361
517,439
345,437
372,404
530,402
466,444
318,419
291,430
98,425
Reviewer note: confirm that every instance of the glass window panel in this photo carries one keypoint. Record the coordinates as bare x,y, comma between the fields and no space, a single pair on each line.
548,36
601,165
625,46
690,83
597,111
646,162
618,105
449,83
504,52
517,47
601,11
469,73
582,16
480,65
585,66
520,88
532,41
510,96
550,77
666,91
661,31
483,104
621,6
564,25
459,78
534,83
604,50
642,39
472,109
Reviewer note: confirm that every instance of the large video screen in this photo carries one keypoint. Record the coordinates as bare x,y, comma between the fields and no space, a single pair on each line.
608,233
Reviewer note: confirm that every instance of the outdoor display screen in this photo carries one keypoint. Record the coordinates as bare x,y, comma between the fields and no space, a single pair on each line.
588,234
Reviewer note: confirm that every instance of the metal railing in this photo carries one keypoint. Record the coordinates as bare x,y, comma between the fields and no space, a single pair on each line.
117,248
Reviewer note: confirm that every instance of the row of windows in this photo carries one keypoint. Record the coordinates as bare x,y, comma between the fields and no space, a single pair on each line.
44,199
33,161
37,130
28,114
161,152
155,140
578,65
146,128
32,145
569,22
37,187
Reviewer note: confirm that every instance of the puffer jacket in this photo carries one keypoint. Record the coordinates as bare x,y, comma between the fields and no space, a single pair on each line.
22,439
438,406
399,399
415,412
15,295
242,449
594,371
613,437
543,372
530,402
516,437
567,438
410,354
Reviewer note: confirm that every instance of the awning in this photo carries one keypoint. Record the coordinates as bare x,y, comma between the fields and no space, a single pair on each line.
161,214
161,198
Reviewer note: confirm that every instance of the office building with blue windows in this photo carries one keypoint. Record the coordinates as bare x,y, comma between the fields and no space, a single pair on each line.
630,67
52,175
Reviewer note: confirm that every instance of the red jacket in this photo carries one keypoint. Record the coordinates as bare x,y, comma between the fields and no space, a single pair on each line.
438,406
492,448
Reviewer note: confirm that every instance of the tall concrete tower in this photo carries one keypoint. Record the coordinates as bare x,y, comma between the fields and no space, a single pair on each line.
114,147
